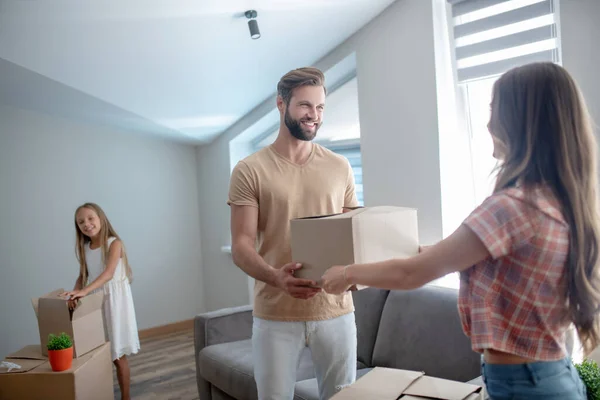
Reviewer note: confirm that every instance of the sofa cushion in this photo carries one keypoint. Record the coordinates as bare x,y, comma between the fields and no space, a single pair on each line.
309,390
420,330
368,304
229,367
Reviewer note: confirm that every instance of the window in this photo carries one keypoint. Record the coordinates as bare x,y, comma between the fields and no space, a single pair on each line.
491,37
480,40
478,95
340,131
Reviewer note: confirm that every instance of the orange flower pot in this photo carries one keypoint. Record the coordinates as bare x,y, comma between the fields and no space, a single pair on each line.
61,360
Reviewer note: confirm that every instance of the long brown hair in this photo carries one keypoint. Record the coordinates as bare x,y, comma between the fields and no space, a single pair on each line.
540,117
106,231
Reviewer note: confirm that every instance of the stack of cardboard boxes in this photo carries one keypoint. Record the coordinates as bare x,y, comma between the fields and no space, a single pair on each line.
27,374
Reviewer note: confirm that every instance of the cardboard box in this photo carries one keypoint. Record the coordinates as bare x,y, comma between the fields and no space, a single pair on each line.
363,235
90,377
392,384
85,325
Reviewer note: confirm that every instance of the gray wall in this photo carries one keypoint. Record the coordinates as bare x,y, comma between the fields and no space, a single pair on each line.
148,188
581,57
580,30
398,115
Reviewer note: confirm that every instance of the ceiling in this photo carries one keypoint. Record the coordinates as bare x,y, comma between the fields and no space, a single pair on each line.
181,69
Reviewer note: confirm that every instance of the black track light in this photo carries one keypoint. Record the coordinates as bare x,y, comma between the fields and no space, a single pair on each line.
253,24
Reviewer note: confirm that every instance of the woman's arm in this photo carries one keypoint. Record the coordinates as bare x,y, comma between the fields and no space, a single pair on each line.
114,254
459,251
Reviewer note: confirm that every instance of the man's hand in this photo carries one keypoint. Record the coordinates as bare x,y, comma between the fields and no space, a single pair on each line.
295,287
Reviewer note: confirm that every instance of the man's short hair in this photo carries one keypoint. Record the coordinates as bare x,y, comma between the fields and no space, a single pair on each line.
306,76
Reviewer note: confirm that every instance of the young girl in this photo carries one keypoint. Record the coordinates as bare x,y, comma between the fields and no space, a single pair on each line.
528,255
103,266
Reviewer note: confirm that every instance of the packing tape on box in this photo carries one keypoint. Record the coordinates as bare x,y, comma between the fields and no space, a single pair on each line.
10,366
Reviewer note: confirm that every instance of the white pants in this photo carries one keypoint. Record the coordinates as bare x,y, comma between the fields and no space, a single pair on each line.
277,345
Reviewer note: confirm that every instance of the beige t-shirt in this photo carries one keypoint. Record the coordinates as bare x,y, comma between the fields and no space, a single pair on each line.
282,191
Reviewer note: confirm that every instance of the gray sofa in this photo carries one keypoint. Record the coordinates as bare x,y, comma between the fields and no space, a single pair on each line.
416,330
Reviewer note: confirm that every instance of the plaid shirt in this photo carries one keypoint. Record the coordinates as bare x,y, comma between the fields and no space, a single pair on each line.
514,300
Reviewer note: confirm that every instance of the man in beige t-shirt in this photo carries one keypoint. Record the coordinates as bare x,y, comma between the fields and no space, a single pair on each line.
292,178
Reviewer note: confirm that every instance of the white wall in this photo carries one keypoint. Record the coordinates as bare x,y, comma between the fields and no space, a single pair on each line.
581,57
399,138
398,113
148,188
580,31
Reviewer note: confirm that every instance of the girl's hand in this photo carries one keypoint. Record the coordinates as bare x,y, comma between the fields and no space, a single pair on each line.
75,294
334,280
72,304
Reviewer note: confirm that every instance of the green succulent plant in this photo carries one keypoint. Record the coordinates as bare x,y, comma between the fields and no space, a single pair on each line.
60,342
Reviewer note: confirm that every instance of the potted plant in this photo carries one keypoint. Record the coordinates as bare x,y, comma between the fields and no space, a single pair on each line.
60,352
589,371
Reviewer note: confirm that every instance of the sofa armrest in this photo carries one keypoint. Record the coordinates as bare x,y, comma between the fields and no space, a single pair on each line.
221,326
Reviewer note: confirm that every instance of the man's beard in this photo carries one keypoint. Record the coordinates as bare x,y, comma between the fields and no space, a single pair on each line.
297,130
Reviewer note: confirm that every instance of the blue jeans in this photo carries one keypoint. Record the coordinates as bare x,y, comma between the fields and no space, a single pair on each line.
557,380
277,345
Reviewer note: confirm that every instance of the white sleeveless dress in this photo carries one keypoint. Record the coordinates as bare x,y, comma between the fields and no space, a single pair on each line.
119,313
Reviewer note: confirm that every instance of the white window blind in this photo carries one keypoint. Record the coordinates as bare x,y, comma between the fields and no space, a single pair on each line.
493,36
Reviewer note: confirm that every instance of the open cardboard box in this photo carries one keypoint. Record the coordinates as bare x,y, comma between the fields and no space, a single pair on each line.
364,235
391,384
85,325
90,377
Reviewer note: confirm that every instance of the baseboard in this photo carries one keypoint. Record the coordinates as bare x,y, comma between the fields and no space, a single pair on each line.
174,327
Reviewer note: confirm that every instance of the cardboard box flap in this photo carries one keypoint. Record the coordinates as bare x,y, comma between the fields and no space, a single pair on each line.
24,360
369,211
19,366
436,388
473,396
349,214
53,307
346,215
88,304
55,294
379,384
35,302
36,305
31,352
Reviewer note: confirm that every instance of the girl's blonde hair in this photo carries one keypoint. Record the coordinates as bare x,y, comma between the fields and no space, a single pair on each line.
106,231
540,116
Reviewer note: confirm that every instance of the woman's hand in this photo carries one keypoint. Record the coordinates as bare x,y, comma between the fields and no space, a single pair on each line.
334,280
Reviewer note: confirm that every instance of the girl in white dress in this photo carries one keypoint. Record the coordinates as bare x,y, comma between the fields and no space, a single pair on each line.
103,266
